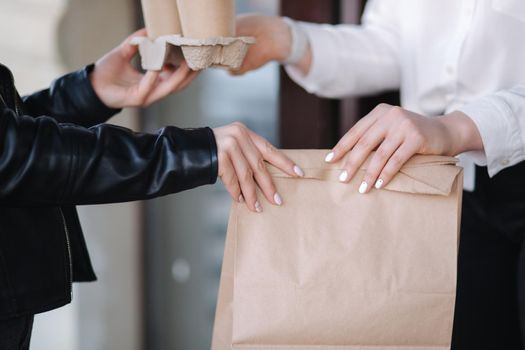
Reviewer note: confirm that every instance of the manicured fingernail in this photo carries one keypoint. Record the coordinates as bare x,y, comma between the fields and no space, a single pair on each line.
277,198
363,187
379,184
344,176
258,207
298,171
241,199
329,157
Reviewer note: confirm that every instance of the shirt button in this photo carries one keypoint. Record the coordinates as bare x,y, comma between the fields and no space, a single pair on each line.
504,162
450,69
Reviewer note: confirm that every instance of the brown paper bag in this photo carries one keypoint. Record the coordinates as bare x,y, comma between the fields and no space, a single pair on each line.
335,269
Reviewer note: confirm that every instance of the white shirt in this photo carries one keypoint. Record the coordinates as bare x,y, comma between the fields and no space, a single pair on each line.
443,55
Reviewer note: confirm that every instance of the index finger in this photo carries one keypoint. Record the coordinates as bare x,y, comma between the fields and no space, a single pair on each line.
170,85
276,157
145,86
350,139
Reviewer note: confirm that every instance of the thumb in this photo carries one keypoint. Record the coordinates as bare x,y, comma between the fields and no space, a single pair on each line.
127,49
236,72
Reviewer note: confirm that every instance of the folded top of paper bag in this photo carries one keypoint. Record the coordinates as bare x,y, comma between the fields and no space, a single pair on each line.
425,174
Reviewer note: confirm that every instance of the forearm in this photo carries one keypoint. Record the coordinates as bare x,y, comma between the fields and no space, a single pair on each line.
346,60
70,99
46,163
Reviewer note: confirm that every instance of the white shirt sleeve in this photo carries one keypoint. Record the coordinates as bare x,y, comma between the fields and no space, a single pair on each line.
500,119
353,60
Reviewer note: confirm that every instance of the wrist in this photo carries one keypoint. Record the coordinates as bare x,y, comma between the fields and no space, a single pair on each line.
282,39
297,44
93,80
298,51
99,86
462,134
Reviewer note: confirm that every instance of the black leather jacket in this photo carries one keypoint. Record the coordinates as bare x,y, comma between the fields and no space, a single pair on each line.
55,154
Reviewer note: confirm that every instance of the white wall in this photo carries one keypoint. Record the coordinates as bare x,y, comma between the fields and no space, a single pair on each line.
39,40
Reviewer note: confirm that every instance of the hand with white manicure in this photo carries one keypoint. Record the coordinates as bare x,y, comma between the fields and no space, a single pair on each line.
242,155
395,135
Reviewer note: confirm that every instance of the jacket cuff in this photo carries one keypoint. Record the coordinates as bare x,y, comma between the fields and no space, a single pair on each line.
197,154
214,159
92,102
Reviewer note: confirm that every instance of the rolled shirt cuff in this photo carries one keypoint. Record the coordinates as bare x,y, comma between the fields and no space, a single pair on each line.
323,68
500,133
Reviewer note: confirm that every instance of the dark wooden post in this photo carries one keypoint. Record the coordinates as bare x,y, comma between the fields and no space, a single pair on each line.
307,121
351,11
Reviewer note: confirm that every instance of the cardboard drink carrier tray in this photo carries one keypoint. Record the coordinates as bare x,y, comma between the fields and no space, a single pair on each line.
201,32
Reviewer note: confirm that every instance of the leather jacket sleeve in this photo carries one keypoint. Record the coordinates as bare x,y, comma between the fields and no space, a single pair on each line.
70,99
45,163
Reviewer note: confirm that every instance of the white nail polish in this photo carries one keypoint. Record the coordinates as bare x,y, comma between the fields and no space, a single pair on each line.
258,207
241,199
363,187
344,176
329,157
277,198
298,171
379,184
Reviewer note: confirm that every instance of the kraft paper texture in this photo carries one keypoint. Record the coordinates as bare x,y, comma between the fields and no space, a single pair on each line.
202,32
198,53
202,19
334,269
161,18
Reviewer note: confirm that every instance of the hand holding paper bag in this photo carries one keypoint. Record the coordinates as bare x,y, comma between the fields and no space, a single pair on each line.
333,269
242,155
397,134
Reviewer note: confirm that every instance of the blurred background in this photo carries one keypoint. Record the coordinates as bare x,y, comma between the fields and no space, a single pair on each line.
159,262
